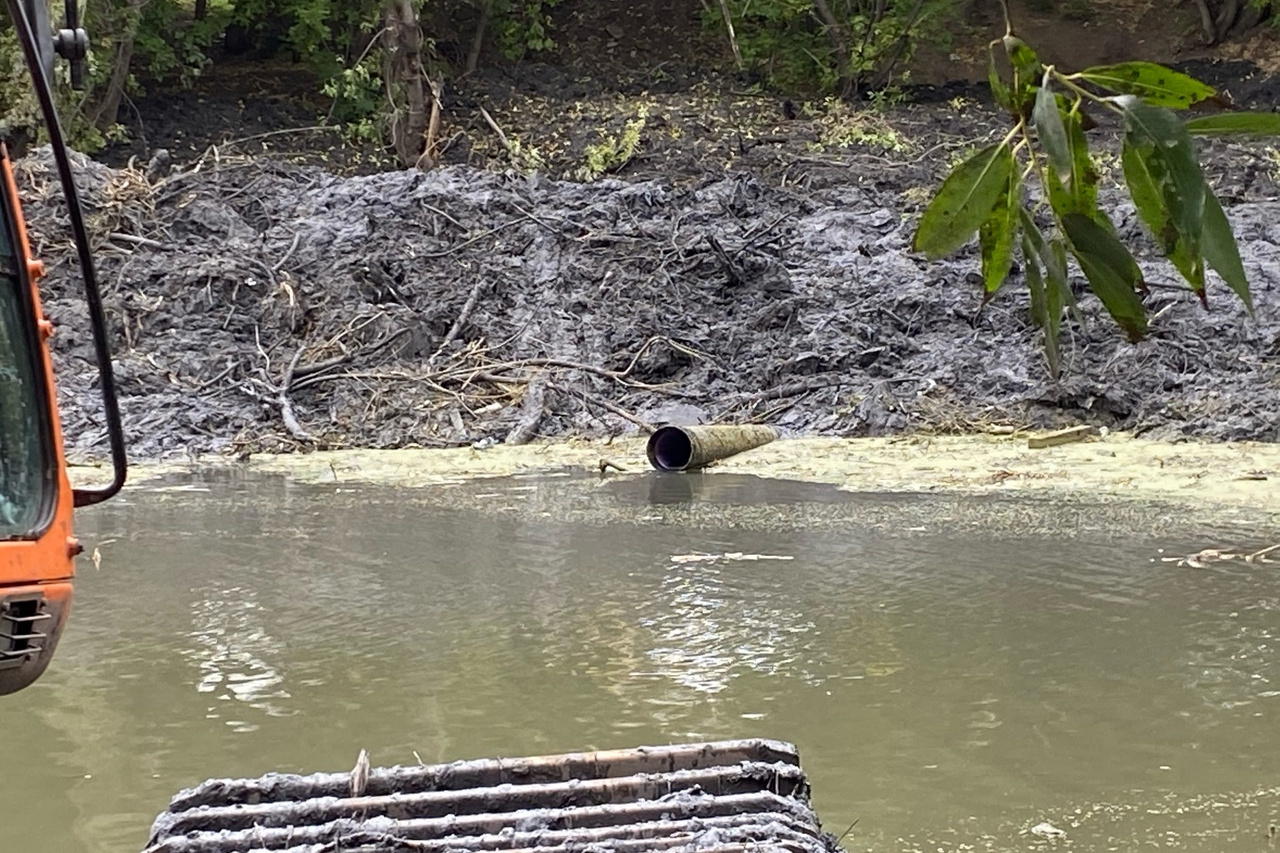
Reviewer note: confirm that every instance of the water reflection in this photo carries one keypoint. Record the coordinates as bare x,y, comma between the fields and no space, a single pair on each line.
707,630
231,648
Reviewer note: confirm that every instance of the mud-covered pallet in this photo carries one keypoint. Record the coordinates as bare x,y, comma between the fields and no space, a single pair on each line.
711,797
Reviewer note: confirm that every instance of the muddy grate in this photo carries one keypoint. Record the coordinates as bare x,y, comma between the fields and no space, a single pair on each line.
724,797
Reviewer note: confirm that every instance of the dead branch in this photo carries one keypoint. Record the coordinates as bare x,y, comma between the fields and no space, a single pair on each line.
533,410
138,241
286,407
607,406
493,125
293,247
733,37
463,316
839,38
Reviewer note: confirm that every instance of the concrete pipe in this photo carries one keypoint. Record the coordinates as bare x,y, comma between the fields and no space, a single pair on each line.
683,448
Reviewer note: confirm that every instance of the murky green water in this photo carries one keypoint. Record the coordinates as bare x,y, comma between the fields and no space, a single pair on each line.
948,687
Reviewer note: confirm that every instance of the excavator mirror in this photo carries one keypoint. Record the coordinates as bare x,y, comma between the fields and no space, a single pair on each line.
70,42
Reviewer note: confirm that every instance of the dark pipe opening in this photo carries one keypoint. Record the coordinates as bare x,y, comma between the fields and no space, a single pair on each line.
670,449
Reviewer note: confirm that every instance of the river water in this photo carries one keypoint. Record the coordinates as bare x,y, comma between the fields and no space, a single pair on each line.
954,671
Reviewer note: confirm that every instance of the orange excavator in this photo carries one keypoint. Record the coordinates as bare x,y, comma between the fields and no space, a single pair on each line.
725,797
37,545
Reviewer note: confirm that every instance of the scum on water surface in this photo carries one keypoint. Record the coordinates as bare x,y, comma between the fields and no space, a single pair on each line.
1147,487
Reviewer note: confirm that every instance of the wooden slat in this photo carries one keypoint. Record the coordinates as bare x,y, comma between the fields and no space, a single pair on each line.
767,807
487,773
631,839
718,781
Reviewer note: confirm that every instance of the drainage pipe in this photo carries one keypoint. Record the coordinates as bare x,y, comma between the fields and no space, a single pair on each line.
682,448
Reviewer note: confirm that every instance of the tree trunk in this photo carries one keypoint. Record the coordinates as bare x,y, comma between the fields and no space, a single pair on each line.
839,42
202,9
107,111
1251,17
402,68
477,42
1221,19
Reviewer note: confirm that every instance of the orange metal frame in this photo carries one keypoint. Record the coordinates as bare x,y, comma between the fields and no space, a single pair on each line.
39,570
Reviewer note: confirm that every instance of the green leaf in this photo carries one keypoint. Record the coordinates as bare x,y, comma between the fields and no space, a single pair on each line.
1222,124
1221,251
999,234
1158,85
1052,255
1040,314
999,91
1161,137
1051,131
1144,189
1043,313
1022,57
1059,289
1112,272
1078,192
964,201
1026,71
1143,172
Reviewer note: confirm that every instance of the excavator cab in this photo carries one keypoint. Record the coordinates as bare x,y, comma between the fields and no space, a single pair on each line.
37,546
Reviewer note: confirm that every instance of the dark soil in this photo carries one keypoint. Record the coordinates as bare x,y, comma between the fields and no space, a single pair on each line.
740,267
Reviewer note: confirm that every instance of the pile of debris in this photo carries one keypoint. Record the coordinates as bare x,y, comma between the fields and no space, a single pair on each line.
258,305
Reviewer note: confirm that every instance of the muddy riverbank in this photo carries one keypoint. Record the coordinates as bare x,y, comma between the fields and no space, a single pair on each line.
742,266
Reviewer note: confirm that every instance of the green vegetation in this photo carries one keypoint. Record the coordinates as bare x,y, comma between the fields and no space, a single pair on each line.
379,63
833,47
983,195
843,126
374,58
613,152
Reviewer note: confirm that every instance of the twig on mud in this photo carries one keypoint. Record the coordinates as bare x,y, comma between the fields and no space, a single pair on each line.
271,274
312,374
463,316
438,212
257,340
472,372
493,125
215,380
804,386
293,247
554,362
137,241
286,407
533,410
750,239
231,143
476,239
605,404
541,223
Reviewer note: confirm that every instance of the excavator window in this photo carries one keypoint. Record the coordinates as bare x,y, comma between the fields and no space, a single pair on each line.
26,487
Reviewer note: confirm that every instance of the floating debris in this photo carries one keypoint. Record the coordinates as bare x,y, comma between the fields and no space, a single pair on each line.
1201,559
1047,830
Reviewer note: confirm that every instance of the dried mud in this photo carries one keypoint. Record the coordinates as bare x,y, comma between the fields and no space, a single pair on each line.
740,268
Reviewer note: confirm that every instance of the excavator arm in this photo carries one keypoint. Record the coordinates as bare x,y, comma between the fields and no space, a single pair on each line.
37,546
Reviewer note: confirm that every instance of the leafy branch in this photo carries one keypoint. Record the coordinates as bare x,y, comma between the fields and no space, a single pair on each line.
1050,111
